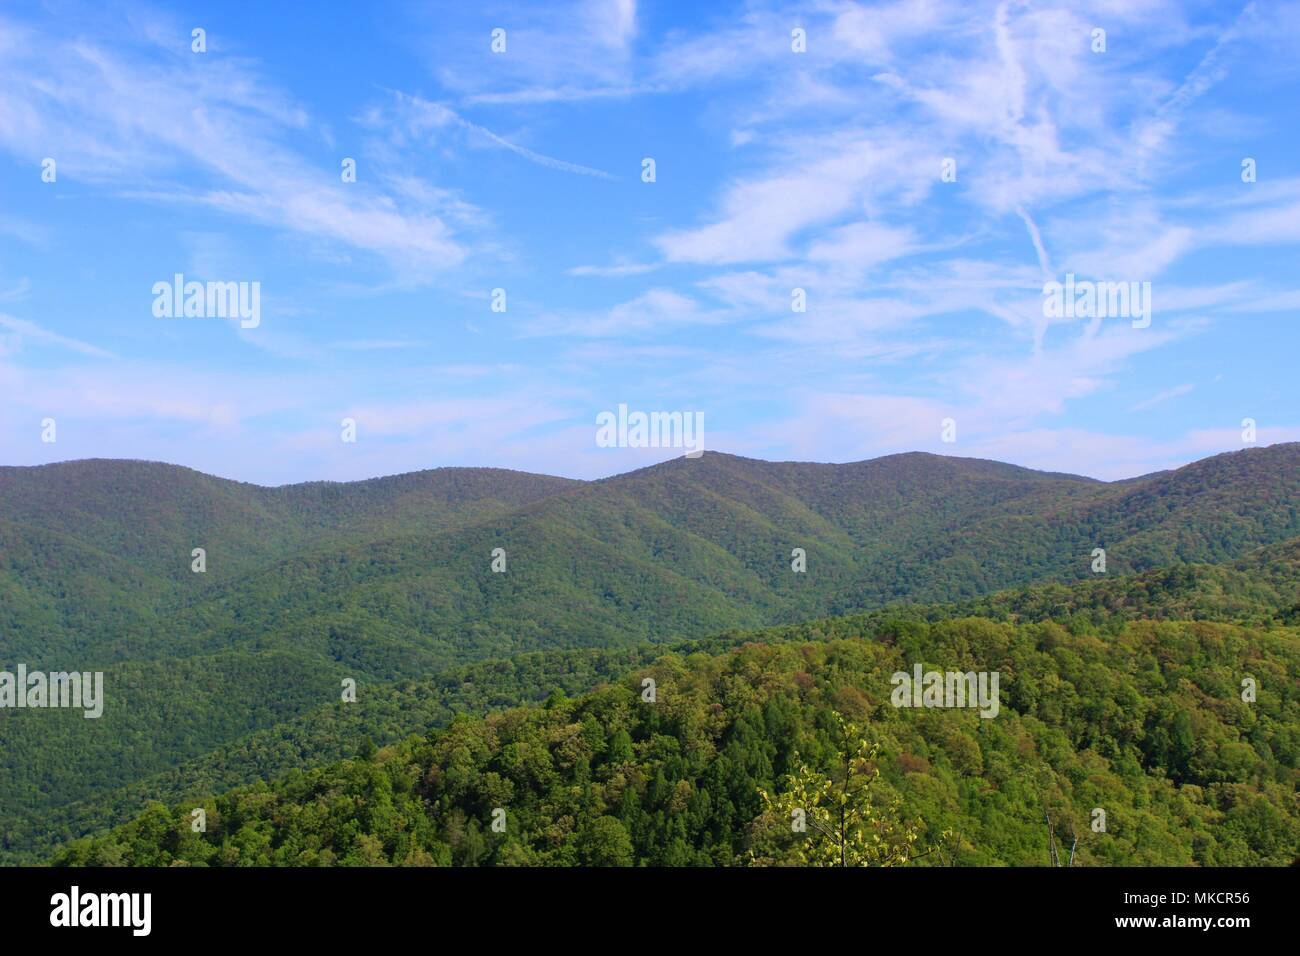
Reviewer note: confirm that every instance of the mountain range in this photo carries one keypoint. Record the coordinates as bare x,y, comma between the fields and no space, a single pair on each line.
391,580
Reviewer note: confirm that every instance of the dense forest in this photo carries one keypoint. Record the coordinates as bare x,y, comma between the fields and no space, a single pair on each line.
1147,725
220,678
386,712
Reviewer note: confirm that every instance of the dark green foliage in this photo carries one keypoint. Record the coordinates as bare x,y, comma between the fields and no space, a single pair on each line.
383,713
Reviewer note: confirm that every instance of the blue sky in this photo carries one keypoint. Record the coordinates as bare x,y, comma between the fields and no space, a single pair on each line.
522,171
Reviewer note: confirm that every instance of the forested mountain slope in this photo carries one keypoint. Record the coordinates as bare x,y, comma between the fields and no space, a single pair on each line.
1147,726
391,579
94,551
1260,590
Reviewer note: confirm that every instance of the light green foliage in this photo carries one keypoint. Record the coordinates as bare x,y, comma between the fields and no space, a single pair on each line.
834,815
1147,724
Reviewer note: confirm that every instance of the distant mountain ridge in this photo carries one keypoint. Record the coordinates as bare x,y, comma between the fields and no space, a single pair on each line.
92,549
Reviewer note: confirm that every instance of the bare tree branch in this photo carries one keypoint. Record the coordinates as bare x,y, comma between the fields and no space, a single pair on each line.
1053,857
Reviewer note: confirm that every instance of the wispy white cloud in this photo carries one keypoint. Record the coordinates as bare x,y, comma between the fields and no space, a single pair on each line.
419,116
138,116
1162,396
760,215
24,331
655,311
616,271
565,51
